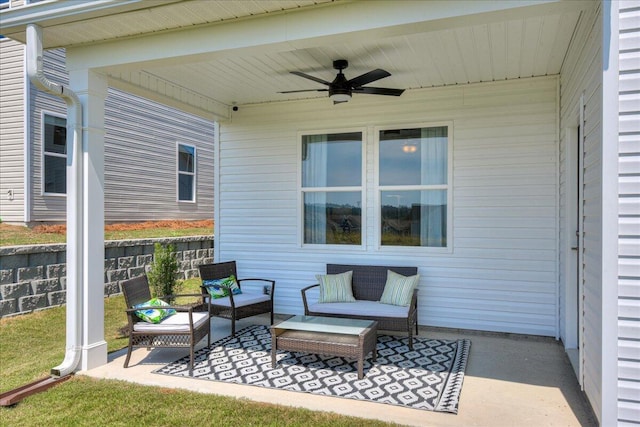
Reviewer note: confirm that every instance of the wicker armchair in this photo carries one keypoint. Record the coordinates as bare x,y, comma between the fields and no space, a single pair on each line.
184,329
236,307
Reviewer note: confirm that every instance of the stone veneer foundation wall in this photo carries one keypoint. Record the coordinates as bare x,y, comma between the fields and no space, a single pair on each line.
34,277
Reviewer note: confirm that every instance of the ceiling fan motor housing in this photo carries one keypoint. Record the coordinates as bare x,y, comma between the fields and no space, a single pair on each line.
340,85
340,64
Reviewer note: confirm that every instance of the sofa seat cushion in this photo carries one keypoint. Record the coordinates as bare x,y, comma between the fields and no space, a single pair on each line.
179,322
361,308
242,299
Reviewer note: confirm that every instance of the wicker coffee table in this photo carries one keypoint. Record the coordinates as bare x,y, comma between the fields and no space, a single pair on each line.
332,336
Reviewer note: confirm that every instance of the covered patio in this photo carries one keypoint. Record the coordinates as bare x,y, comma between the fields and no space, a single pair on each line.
521,187
510,380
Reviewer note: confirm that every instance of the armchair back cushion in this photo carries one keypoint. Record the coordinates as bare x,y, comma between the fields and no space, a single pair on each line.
156,314
219,288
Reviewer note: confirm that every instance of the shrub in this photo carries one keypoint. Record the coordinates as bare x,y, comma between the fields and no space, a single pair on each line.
164,270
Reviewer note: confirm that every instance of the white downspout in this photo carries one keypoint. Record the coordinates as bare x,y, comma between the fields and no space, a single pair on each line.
28,116
74,199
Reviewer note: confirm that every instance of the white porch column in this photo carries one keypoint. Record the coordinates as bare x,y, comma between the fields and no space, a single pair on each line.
91,89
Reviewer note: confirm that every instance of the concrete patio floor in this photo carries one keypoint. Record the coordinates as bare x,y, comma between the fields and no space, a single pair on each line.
510,380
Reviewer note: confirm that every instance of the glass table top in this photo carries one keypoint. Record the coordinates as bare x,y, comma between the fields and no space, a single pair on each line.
334,325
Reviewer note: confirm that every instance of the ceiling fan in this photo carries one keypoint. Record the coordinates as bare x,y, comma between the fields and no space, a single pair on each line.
341,89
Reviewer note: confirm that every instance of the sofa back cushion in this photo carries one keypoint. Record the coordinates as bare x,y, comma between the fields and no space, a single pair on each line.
335,287
368,280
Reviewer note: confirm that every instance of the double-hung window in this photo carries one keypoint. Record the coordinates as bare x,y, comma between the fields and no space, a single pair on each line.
331,186
54,136
414,186
186,173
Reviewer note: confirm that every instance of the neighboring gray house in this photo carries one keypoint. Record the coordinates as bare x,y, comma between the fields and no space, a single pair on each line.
158,160
519,196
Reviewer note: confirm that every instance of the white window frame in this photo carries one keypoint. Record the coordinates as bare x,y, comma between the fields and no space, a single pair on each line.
193,174
362,188
44,153
378,189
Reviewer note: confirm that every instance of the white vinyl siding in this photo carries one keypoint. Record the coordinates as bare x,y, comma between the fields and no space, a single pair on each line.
12,117
629,216
501,273
582,76
140,160
140,156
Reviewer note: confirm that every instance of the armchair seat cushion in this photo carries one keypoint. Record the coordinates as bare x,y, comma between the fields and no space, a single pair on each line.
242,299
360,308
179,322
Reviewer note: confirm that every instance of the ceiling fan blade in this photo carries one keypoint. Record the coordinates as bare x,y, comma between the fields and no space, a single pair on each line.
307,76
305,90
379,91
369,77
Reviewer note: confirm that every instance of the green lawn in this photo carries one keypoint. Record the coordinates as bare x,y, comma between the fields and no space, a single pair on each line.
14,235
30,345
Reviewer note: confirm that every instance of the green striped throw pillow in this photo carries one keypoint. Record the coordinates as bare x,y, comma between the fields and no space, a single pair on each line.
399,289
336,287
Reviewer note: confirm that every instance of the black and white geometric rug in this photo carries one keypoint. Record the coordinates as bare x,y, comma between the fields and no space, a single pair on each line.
428,377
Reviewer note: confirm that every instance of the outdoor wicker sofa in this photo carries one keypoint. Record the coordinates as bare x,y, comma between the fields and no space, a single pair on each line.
368,284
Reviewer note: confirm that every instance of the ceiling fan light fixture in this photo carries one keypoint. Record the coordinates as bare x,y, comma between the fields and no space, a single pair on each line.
340,97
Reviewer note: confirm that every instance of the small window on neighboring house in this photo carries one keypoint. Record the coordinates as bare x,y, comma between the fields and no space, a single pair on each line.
4,4
55,154
186,173
332,188
414,187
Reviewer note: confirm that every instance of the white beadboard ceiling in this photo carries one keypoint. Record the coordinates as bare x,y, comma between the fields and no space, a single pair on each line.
497,51
513,45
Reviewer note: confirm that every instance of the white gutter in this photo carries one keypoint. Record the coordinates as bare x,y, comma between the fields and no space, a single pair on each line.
69,11
56,13
74,198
